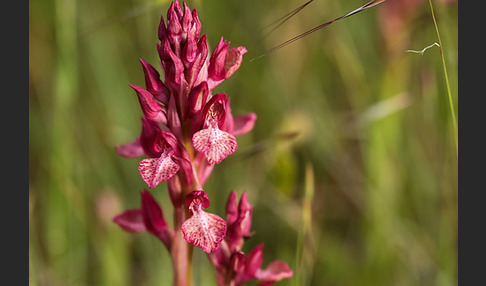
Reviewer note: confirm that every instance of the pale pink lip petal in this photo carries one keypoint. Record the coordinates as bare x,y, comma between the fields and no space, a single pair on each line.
157,170
215,144
205,230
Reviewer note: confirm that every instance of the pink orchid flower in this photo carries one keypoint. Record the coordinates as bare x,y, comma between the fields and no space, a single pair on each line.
183,105
205,230
233,267
186,130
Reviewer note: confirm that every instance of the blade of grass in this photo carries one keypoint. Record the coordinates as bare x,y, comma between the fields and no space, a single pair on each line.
306,229
356,11
449,94
280,21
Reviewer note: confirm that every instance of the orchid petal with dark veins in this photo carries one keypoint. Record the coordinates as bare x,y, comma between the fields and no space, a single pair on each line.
157,170
205,230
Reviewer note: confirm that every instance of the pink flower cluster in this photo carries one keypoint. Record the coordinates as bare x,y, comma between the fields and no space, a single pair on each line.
186,130
184,125
233,267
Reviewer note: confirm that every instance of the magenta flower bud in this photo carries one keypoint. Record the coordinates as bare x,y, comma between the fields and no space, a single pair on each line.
153,83
233,267
197,24
238,219
150,107
251,269
231,209
202,229
172,65
187,20
189,52
176,8
162,29
197,98
174,28
202,46
216,71
224,62
245,212
196,70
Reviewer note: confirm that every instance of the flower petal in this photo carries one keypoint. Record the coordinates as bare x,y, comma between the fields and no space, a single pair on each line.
174,119
149,137
254,261
215,144
131,221
150,107
131,149
216,69
231,208
157,170
275,271
205,230
243,123
197,98
153,83
233,60
152,213
245,211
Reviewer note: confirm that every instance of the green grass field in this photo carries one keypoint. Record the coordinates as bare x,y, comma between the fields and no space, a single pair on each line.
351,167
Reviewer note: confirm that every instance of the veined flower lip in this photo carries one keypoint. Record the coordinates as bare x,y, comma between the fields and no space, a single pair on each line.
202,229
157,170
214,143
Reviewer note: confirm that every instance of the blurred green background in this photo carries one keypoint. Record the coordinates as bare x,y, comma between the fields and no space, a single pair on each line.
351,166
